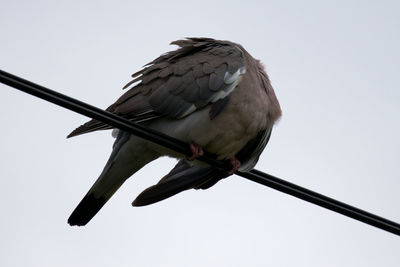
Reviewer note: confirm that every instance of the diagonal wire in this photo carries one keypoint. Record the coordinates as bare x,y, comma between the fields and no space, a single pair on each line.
183,148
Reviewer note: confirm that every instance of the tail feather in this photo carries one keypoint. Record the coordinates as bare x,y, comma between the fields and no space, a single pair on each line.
98,195
86,210
123,162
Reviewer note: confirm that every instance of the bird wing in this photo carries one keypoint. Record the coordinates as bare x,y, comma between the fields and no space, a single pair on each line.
201,72
250,153
182,177
185,175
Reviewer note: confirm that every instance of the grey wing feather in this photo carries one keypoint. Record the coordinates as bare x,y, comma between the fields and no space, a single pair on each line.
182,177
251,152
199,73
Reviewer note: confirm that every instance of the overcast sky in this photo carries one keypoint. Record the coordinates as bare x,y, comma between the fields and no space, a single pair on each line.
335,69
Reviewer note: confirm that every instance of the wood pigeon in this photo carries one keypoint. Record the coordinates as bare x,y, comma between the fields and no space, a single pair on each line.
209,93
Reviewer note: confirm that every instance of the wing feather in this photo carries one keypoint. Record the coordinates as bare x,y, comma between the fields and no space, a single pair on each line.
179,82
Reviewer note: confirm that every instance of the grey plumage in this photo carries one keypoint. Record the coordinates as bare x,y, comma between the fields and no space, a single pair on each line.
208,92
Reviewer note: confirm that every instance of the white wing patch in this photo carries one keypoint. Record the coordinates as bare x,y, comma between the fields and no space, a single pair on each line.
230,79
188,111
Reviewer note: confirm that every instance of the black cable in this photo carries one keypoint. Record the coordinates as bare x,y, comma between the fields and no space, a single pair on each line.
183,148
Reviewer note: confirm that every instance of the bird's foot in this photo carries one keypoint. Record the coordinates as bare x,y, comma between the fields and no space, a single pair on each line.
235,165
196,151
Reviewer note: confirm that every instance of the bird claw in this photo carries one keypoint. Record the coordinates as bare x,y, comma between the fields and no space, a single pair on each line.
196,151
235,165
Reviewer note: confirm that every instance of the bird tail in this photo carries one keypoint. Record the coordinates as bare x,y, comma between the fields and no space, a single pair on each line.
89,206
123,162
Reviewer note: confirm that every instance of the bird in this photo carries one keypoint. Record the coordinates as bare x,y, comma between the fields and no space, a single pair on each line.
211,94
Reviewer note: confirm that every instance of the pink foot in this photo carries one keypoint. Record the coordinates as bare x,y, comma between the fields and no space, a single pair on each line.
235,165
196,151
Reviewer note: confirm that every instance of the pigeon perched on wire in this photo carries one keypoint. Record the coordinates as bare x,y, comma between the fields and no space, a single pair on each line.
209,93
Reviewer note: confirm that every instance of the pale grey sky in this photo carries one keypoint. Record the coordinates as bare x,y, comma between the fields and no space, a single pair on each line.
334,66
